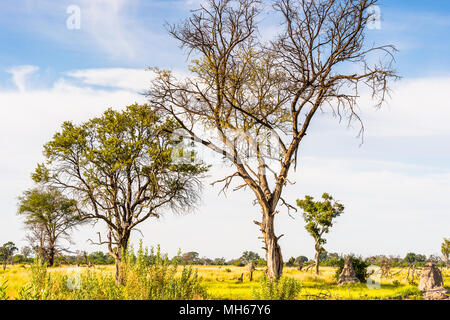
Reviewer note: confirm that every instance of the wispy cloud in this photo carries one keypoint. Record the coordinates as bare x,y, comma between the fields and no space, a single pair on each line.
20,75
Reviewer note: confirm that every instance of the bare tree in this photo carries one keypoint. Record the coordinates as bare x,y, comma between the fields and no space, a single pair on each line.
264,95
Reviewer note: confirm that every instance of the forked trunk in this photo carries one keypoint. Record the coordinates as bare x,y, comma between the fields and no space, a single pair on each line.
273,250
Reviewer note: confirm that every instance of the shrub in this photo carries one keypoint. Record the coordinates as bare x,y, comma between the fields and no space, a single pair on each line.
359,265
227,270
238,263
284,288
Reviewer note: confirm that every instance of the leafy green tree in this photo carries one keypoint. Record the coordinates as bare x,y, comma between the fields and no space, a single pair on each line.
121,168
56,215
445,249
7,252
302,259
319,216
191,257
412,257
248,256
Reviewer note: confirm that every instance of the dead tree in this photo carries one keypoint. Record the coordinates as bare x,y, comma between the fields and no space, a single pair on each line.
253,101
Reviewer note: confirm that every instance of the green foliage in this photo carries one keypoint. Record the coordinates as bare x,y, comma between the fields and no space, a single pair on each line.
359,265
100,258
122,168
284,288
261,263
319,215
52,214
412,257
248,256
7,252
238,263
148,276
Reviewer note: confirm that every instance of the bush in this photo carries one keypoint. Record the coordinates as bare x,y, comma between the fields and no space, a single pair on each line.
359,265
238,263
284,288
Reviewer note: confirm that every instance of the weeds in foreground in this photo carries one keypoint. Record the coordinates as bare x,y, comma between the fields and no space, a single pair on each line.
3,286
148,276
284,288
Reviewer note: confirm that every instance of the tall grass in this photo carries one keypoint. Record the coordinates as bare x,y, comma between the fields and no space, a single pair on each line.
3,287
148,276
285,288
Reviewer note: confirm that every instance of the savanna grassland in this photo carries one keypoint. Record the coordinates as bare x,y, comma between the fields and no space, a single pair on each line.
222,282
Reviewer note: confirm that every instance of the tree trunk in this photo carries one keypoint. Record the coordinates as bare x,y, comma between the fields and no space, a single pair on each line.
119,257
51,257
273,250
317,261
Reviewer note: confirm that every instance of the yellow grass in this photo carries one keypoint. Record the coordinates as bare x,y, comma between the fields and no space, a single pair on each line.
221,282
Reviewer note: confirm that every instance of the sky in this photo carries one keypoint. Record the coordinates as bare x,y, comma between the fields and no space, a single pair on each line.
395,186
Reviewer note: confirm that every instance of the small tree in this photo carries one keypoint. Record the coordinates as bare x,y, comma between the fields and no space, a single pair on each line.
51,216
7,252
121,169
249,256
319,216
26,252
191,257
445,249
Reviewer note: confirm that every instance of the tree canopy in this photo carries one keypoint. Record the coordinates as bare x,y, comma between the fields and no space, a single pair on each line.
121,169
319,216
50,215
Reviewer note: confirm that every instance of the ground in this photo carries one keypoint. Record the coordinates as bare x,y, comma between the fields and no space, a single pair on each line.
222,283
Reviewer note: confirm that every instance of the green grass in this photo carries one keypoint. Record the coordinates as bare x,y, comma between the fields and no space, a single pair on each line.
221,283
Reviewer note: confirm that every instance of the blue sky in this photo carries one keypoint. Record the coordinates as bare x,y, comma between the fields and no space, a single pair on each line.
398,180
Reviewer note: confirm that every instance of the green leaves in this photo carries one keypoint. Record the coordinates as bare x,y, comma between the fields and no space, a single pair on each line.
319,215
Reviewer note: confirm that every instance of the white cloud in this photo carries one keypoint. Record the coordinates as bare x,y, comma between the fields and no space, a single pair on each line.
124,78
20,75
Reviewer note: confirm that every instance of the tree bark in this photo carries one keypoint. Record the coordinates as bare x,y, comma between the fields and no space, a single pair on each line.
317,259
119,255
273,250
51,257
317,262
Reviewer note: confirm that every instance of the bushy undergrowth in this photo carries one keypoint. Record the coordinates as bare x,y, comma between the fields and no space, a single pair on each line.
284,288
148,276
